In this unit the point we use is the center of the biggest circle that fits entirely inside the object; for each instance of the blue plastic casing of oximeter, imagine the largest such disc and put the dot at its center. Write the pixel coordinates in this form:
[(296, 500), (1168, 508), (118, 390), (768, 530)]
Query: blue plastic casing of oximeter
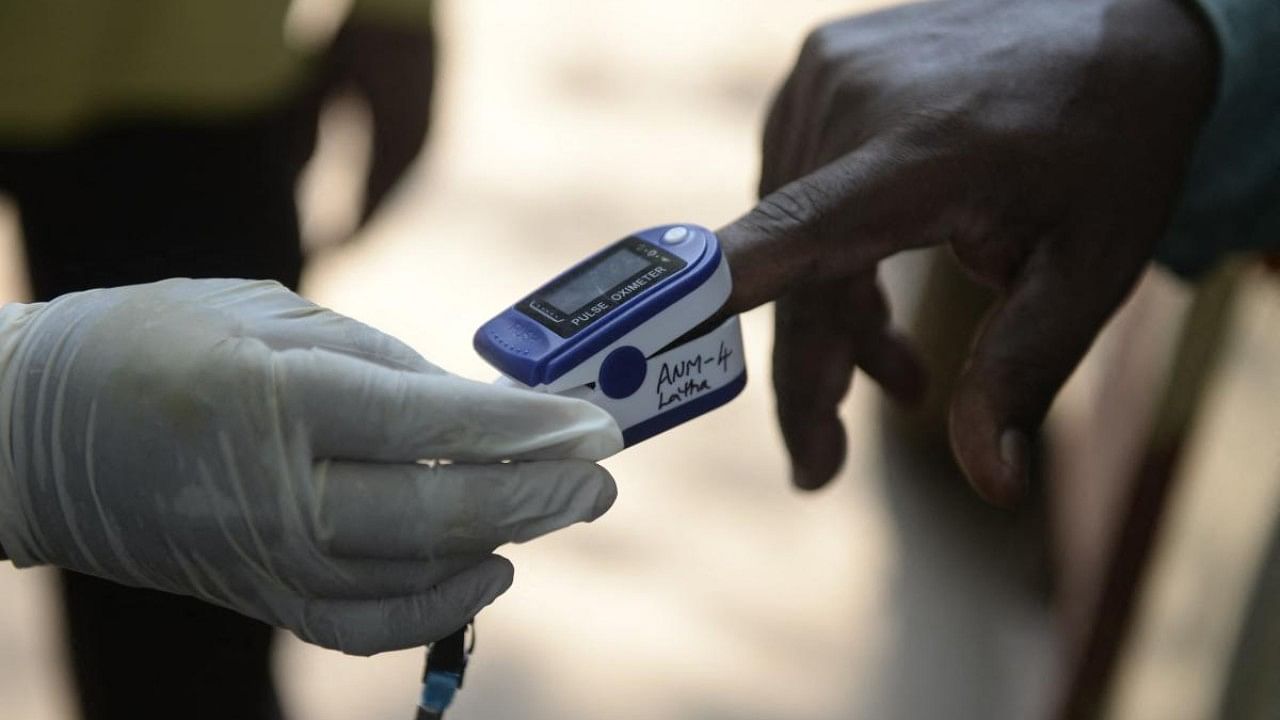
[(536, 342)]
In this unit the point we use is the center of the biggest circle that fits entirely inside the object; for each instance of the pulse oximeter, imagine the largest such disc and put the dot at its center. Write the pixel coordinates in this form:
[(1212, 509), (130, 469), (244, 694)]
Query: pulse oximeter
[(617, 330)]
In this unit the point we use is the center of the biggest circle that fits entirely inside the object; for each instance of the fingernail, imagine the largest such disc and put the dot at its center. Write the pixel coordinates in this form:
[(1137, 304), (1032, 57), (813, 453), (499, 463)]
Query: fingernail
[(1014, 453)]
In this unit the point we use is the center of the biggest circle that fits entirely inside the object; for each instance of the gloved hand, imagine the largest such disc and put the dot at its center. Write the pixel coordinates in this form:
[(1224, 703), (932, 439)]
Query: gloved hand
[(1044, 142), (229, 440)]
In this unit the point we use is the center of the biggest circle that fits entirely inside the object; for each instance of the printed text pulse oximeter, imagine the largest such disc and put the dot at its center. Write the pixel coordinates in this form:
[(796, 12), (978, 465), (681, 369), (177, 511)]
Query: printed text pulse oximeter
[(615, 330)]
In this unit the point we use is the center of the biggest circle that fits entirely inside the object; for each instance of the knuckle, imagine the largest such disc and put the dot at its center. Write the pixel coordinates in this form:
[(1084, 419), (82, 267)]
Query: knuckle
[(931, 125), (793, 207), (817, 46)]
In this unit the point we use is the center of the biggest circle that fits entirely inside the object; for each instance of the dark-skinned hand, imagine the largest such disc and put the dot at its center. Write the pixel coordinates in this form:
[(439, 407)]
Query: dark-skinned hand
[(392, 69), (1044, 142)]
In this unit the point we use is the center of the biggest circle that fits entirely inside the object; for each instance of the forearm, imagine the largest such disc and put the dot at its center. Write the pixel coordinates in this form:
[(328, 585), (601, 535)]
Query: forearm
[(1231, 200)]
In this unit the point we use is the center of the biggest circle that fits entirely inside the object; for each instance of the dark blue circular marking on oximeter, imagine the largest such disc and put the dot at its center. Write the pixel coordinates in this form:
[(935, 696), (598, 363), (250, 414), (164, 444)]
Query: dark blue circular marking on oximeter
[(622, 372)]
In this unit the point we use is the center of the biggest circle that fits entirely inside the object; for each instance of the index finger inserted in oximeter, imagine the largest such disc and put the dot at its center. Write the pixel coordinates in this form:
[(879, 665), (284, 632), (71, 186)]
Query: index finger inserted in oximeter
[(604, 331)]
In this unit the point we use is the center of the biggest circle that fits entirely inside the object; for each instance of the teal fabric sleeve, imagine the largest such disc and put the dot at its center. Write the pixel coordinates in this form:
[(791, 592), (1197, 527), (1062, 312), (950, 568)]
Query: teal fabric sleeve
[(1231, 201)]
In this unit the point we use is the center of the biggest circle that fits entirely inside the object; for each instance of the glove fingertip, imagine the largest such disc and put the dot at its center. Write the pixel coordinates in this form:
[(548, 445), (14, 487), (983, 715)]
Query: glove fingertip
[(606, 494), (498, 576)]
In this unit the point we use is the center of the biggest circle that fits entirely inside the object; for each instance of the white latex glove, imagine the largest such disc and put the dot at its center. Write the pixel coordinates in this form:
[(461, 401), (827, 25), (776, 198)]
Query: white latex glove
[(229, 440)]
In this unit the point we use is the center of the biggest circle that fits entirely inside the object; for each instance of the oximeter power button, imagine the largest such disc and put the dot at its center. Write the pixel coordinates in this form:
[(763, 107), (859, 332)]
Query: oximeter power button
[(675, 235), (622, 372)]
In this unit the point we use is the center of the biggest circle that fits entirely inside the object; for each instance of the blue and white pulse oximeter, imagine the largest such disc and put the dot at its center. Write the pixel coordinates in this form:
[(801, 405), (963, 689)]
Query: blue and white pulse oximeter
[(615, 330)]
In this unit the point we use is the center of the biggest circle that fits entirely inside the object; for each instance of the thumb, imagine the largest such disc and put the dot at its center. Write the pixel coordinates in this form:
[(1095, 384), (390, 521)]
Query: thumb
[(1028, 347)]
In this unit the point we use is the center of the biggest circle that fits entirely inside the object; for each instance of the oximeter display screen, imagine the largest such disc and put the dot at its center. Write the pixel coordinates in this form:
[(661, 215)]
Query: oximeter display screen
[(579, 298), (591, 284)]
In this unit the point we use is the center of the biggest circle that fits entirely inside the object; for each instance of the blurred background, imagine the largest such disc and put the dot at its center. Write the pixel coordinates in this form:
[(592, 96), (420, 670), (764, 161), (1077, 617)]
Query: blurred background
[(713, 590)]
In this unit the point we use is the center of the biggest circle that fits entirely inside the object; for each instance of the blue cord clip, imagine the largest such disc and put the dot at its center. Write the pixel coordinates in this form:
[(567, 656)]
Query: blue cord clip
[(446, 664), (438, 691)]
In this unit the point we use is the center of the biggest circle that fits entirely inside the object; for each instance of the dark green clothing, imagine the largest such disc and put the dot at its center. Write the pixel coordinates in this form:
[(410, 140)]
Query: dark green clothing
[(1231, 201), (69, 65)]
